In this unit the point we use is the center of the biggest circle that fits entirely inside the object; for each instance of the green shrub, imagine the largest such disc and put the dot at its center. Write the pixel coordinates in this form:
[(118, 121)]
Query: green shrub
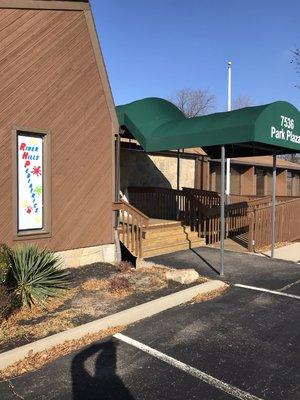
[(6, 302), (3, 263), (34, 275)]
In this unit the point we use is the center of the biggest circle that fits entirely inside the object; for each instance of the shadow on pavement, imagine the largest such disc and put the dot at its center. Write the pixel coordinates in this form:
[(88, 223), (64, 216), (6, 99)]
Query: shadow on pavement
[(206, 262), (104, 384)]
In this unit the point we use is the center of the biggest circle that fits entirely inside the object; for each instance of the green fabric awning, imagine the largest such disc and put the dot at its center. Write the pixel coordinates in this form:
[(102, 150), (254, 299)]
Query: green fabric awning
[(159, 125)]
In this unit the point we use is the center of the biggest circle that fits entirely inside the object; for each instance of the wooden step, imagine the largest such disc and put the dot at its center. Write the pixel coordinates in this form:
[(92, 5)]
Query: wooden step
[(163, 237), (166, 243), (171, 249), (170, 239), (163, 231)]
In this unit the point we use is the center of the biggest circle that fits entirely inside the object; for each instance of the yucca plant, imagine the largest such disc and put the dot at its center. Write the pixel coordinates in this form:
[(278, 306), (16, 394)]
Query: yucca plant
[(34, 275)]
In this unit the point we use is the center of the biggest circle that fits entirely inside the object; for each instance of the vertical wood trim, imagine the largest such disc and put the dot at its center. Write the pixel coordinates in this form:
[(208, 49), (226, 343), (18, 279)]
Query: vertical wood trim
[(108, 95), (102, 69)]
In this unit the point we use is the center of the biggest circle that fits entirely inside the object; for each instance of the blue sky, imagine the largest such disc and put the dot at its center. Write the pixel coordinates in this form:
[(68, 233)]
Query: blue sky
[(157, 47)]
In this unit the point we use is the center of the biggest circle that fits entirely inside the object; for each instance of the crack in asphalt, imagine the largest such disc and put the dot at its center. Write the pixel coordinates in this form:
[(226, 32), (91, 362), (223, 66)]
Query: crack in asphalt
[(11, 386)]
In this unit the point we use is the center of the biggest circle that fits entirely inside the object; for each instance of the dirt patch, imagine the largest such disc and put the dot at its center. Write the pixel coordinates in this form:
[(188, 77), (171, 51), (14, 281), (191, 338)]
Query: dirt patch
[(35, 361), (95, 291), (148, 279), (94, 284)]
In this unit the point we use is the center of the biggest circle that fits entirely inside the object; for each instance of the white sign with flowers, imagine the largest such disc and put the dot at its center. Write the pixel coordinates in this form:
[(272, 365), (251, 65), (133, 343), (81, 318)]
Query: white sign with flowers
[(30, 181)]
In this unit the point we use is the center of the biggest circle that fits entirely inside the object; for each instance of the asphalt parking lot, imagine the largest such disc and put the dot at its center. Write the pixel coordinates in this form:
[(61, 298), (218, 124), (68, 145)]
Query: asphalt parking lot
[(243, 344), (239, 268)]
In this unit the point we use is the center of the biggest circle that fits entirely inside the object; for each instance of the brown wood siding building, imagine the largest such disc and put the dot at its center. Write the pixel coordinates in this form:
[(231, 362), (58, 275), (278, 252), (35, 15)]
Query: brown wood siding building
[(52, 79), (256, 179)]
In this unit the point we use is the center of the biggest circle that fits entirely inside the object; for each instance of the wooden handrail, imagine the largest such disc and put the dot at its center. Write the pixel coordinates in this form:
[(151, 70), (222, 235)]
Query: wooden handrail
[(132, 224), (282, 203), (287, 226), (123, 205), (200, 209)]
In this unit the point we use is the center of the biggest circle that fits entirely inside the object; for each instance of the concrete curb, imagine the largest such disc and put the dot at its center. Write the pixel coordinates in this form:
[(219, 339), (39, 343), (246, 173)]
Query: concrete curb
[(124, 317)]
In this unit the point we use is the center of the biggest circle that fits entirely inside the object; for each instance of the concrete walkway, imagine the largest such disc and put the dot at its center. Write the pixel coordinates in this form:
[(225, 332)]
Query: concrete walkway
[(290, 252)]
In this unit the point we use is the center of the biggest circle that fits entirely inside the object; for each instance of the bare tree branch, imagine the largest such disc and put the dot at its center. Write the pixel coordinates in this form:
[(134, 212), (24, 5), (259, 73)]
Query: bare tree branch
[(291, 157), (241, 101), (296, 61), (194, 102)]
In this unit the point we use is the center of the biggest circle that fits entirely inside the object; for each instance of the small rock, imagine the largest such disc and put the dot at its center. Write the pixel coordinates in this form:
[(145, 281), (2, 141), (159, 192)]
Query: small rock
[(184, 276)]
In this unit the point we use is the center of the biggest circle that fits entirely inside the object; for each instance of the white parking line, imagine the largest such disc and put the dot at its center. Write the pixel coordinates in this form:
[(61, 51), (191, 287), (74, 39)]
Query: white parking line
[(225, 387), (258, 289), (289, 286)]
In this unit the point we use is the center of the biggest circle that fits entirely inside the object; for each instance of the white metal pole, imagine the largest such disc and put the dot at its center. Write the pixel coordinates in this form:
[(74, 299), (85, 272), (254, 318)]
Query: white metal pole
[(222, 211), (227, 178), (229, 87), (178, 184), (273, 238), (228, 109)]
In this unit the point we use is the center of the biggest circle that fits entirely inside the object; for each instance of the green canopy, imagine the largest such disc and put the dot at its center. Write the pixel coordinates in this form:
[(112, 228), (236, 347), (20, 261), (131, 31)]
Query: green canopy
[(159, 125)]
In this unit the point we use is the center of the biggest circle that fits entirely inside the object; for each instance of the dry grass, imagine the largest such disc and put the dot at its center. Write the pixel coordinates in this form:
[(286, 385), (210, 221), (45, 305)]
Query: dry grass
[(14, 329), (147, 265), (28, 314), (201, 279), (146, 280), (37, 360), (93, 285), (209, 296), (119, 286), (57, 322), (89, 299), (125, 266)]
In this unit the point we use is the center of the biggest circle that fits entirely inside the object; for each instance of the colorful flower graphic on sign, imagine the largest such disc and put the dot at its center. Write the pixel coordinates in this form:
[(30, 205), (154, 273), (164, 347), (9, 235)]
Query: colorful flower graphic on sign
[(38, 190), (37, 171)]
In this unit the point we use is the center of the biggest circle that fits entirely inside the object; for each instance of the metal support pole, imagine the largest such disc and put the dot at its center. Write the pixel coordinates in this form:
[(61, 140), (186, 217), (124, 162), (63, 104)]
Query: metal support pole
[(117, 166), (178, 184), (227, 180), (117, 174), (228, 109), (178, 169), (229, 87), (273, 233), (222, 211)]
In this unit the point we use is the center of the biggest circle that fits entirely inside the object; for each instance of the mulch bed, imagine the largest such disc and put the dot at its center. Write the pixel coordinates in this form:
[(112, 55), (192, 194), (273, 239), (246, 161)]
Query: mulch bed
[(96, 290)]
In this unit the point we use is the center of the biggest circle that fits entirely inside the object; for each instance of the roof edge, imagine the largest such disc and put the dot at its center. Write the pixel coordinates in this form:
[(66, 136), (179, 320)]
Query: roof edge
[(70, 5), (102, 69)]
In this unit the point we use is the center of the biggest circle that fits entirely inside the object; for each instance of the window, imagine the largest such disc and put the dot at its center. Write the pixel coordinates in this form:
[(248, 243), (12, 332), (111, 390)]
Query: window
[(31, 183), (260, 182), (235, 179)]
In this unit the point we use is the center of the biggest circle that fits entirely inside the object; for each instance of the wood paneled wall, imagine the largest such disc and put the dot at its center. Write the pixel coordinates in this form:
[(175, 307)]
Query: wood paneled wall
[(49, 80)]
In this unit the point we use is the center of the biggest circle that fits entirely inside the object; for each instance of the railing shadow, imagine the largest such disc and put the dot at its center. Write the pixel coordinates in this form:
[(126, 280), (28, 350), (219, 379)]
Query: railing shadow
[(104, 384), (206, 262)]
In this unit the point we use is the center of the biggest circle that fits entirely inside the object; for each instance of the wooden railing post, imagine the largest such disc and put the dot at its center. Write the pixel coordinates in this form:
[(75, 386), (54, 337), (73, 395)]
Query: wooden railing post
[(132, 224), (251, 242)]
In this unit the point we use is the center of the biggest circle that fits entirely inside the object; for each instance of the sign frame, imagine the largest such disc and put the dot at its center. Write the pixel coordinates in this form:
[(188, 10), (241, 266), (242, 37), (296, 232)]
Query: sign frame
[(45, 231)]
